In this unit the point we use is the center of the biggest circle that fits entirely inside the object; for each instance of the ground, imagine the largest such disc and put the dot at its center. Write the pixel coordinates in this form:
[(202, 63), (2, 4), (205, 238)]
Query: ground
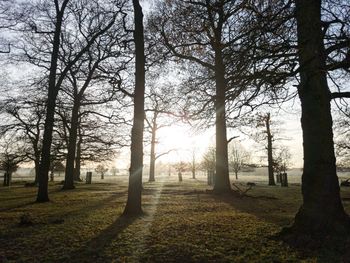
[(183, 222)]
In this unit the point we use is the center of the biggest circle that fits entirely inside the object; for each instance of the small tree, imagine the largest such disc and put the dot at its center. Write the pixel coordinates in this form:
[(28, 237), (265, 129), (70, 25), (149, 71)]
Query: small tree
[(208, 162), (57, 166), (10, 158), (238, 157), (101, 169), (114, 171), (180, 167), (282, 160), (9, 164)]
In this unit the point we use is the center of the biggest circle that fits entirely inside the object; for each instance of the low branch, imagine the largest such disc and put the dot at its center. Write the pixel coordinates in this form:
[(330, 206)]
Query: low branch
[(164, 154), (336, 95), (232, 138)]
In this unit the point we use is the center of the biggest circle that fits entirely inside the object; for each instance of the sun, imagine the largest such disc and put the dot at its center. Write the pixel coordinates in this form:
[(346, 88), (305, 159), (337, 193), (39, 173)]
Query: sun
[(181, 141)]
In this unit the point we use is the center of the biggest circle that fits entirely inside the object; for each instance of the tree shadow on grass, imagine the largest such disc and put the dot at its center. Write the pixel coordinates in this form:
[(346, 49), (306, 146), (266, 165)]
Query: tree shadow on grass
[(17, 206), (274, 210), (94, 249)]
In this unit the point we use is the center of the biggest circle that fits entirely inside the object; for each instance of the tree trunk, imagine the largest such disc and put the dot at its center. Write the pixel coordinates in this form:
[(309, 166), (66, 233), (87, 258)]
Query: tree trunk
[(153, 155), (222, 179), (72, 144), (44, 168), (236, 174), (36, 168), (193, 165), (322, 209), (269, 150), (78, 161), (133, 205), (6, 179)]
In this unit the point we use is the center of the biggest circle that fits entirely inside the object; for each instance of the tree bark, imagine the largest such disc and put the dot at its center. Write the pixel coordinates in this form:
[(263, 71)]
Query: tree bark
[(133, 205), (322, 209), (221, 180), (6, 179), (269, 150), (36, 168), (77, 170), (72, 144), (44, 169), (153, 154)]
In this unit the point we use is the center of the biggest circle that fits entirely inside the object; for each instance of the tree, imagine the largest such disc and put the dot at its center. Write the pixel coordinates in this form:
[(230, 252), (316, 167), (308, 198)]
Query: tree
[(282, 160), (317, 39), (322, 210), (10, 158), (212, 40), (57, 166), (193, 164), (263, 130), (133, 205), (238, 157), (114, 171), (92, 69), (208, 162), (192, 41), (342, 140), (101, 169), (180, 167), (265, 121), (24, 119), (158, 110), (43, 49)]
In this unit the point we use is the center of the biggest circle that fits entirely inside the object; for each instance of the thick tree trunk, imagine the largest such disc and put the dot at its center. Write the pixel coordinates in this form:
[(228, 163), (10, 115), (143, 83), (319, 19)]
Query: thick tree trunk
[(72, 144), (222, 179), (153, 155), (322, 209), (269, 150), (133, 205), (44, 169)]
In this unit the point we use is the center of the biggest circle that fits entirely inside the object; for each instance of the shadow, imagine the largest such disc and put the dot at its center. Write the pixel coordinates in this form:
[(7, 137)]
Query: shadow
[(90, 208), (325, 247), (93, 249), (17, 206), (281, 213)]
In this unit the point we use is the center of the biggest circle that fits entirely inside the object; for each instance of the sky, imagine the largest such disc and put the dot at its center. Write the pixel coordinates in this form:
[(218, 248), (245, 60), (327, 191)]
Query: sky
[(182, 140)]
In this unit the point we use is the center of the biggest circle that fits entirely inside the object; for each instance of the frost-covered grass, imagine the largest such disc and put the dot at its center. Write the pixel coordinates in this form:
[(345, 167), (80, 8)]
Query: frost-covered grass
[(183, 222)]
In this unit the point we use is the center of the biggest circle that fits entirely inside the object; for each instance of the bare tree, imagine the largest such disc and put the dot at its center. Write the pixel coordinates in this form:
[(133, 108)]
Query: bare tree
[(238, 157), (133, 205), (101, 169), (25, 119), (322, 209), (10, 157), (282, 160), (208, 159), (213, 49), (317, 41), (159, 109)]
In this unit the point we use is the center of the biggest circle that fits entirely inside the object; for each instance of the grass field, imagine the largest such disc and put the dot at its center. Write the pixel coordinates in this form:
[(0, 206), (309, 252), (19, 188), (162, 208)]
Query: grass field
[(183, 222)]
